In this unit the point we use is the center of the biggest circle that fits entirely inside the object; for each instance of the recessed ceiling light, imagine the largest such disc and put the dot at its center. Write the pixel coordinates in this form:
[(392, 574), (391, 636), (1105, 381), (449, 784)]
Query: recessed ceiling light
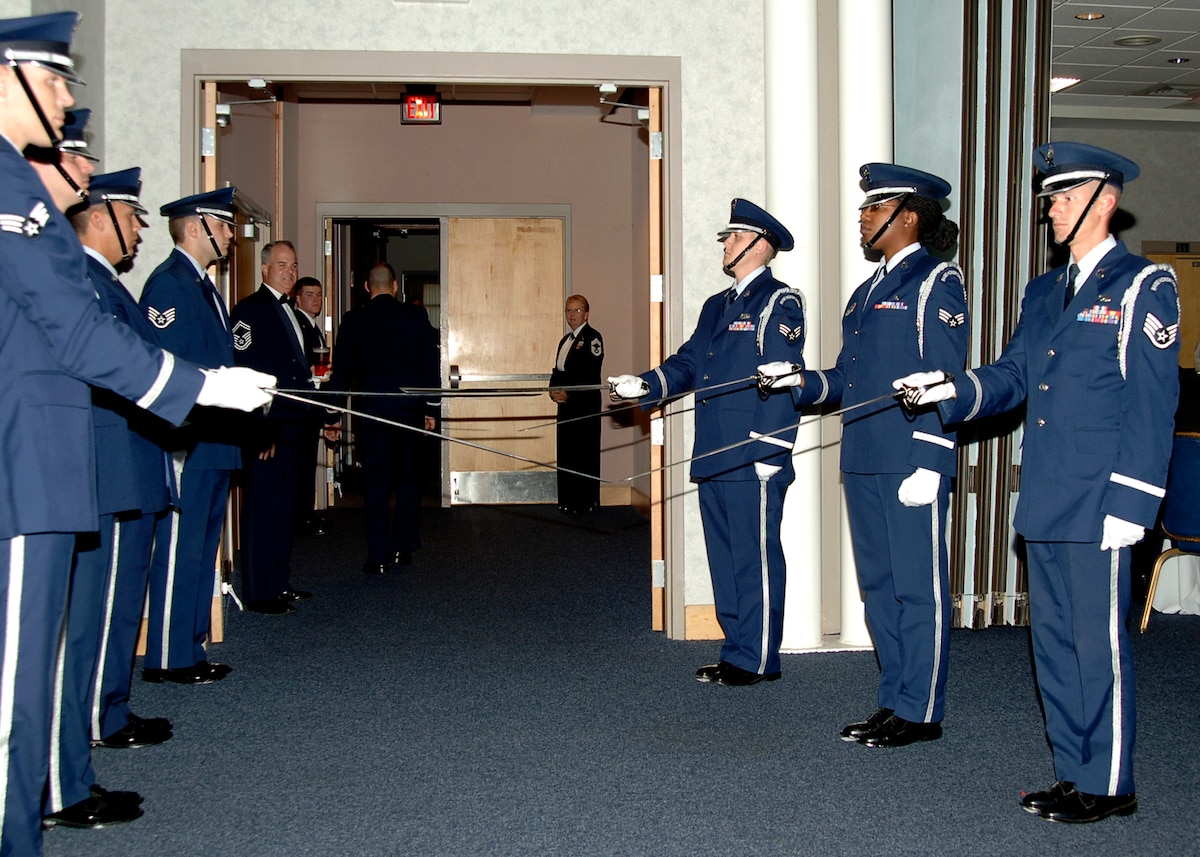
[(1058, 84), (1136, 41), (1090, 16), (1179, 60)]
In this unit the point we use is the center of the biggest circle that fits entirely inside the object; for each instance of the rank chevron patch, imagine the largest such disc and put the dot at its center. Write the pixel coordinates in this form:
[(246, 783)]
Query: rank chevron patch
[(1161, 335), (241, 336), (956, 320), (30, 226), (162, 320)]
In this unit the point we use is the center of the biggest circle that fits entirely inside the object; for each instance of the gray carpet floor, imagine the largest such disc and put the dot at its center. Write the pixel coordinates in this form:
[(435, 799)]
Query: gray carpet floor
[(505, 696)]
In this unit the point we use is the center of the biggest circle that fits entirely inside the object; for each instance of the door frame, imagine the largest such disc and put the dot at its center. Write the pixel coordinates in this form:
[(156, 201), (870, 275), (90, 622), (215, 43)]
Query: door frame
[(662, 72)]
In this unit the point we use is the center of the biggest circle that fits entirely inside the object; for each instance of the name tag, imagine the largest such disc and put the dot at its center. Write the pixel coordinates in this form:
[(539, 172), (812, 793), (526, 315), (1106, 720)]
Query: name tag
[(742, 325)]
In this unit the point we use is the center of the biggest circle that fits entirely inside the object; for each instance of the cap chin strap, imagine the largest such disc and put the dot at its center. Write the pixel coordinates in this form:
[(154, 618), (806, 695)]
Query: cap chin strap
[(211, 239), (112, 215), (54, 136), (728, 269), (882, 229), (1095, 195)]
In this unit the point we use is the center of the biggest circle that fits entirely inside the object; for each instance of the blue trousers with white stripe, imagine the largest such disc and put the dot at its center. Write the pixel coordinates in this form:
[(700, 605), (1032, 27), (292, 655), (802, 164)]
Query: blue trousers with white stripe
[(1078, 602), (903, 570), (121, 619), (742, 521), (34, 575), (182, 571)]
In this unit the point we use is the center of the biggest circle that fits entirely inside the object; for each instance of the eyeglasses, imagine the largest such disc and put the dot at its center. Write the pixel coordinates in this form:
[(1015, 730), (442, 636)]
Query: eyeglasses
[(568, 312)]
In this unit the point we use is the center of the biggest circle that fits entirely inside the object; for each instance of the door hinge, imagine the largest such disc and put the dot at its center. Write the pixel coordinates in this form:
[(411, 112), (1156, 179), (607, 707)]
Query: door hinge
[(208, 142), (656, 146), (328, 248)]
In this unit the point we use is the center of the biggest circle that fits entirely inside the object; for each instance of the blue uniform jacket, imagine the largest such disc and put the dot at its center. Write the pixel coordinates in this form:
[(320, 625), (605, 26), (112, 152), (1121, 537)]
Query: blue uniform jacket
[(55, 340), (180, 306), (765, 323), (1100, 382), (382, 347), (131, 469), (916, 320), (263, 339)]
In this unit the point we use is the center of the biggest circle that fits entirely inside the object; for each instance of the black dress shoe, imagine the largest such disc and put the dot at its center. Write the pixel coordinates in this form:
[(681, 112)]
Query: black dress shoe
[(375, 568), (733, 676), (1035, 802), (270, 607), (402, 558), (201, 672), (296, 595), (898, 732), (95, 812), (708, 672), (1081, 808), (138, 733), (856, 730)]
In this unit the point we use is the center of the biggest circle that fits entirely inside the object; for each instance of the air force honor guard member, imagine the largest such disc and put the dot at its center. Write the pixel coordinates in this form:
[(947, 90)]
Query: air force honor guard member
[(741, 490), (108, 582), (54, 340), (896, 465), (188, 314), (1095, 360)]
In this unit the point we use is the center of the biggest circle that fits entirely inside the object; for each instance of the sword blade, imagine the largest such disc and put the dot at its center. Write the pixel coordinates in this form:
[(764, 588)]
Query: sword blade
[(897, 396), (392, 423), (641, 404)]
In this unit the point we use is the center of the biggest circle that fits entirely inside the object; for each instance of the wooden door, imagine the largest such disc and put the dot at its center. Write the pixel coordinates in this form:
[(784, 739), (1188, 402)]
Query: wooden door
[(503, 315)]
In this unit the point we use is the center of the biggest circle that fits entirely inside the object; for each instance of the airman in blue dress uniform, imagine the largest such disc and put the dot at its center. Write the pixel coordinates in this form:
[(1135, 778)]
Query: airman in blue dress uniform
[(55, 339), (741, 489), (1095, 360), (897, 465), (108, 580), (187, 313)]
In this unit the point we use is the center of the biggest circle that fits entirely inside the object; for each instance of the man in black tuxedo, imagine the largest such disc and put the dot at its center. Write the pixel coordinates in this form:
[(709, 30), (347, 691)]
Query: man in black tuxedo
[(308, 300), (380, 348), (580, 354), (266, 333)]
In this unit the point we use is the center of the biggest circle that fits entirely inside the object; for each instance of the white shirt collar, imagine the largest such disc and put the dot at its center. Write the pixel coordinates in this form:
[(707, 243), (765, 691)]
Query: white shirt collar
[(199, 268), (900, 255), (100, 259), (1089, 262), (740, 286)]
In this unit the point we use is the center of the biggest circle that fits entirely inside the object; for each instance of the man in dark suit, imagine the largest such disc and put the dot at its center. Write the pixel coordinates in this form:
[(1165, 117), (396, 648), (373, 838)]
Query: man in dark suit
[(56, 340), (266, 334), (188, 314), (308, 301), (580, 354), (741, 489), (380, 348), (1095, 361)]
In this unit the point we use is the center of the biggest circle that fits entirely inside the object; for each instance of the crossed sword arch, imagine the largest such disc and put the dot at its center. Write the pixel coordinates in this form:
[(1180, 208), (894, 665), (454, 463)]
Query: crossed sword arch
[(907, 396)]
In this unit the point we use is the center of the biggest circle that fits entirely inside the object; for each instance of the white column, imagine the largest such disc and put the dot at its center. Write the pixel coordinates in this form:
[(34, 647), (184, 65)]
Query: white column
[(791, 173), (865, 135)]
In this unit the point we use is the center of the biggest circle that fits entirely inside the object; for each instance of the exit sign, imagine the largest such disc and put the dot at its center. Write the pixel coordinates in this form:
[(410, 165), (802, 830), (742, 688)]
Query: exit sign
[(422, 110)]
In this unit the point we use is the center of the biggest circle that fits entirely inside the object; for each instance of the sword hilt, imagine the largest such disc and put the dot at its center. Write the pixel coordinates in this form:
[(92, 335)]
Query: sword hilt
[(910, 395), (765, 381)]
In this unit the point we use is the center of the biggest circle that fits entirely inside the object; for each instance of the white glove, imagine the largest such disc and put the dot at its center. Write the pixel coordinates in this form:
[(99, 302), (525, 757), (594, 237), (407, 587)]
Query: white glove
[(778, 374), (920, 488), (236, 387), (925, 388), (1120, 534), (627, 386), (765, 471)]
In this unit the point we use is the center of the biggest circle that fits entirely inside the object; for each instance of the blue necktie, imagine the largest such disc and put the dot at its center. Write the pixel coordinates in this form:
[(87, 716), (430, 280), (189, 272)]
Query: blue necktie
[(1072, 273)]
